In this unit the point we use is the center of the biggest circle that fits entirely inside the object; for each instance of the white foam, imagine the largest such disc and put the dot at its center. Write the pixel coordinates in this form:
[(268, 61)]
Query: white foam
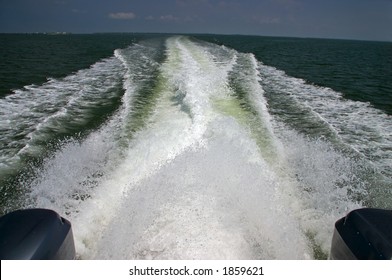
[(326, 180), (214, 202)]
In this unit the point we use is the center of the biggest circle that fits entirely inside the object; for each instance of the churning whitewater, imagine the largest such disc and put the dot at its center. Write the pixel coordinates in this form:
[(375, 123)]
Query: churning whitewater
[(192, 165)]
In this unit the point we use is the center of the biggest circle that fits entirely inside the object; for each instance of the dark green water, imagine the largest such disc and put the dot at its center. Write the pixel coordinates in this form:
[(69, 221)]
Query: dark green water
[(360, 70), (32, 58)]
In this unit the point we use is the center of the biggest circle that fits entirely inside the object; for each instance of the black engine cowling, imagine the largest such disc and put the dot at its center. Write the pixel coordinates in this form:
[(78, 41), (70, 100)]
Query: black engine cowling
[(36, 234), (364, 234)]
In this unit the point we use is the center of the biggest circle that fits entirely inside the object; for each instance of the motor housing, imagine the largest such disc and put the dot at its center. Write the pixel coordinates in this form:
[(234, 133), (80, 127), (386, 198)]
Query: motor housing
[(364, 234), (35, 234)]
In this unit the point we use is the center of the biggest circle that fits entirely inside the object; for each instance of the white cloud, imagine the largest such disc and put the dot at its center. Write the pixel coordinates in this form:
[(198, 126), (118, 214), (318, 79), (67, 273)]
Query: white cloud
[(122, 15), (168, 18)]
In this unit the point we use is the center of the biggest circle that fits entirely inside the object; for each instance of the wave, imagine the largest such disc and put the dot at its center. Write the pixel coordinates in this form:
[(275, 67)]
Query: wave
[(357, 124), (38, 113)]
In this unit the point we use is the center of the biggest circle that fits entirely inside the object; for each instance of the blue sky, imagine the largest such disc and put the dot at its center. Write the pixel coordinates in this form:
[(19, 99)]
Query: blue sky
[(350, 19)]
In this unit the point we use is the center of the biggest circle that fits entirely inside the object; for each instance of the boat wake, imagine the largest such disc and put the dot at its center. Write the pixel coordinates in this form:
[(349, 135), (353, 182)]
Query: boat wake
[(193, 165)]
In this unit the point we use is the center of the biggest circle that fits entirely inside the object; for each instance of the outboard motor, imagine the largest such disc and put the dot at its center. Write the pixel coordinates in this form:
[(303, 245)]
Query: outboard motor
[(364, 234), (35, 234)]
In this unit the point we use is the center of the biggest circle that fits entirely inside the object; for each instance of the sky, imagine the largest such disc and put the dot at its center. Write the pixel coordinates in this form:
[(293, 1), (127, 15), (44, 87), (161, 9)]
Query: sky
[(343, 19)]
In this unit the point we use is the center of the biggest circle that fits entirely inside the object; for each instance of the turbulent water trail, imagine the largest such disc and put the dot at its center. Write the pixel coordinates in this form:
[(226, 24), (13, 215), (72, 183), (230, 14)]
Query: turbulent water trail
[(199, 171), (192, 165)]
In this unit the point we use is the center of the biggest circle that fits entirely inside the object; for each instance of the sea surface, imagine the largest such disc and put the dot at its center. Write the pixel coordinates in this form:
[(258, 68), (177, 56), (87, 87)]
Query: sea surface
[(195, 146)]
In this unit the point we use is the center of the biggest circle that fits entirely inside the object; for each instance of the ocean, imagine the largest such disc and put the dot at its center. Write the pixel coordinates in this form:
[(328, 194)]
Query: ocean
[(160, 146)]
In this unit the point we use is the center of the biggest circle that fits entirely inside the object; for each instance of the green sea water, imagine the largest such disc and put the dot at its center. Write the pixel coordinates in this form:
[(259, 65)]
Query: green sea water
[(224, 140)]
